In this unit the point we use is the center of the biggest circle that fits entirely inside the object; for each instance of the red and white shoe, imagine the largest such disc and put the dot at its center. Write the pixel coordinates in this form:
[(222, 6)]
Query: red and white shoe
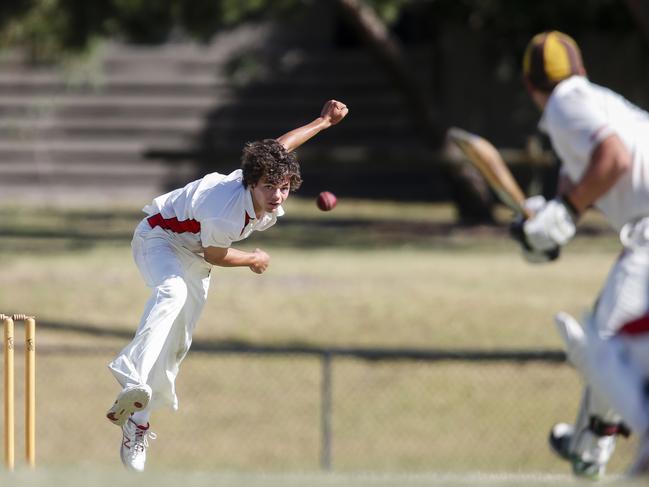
[(135, 441), (131, 400)]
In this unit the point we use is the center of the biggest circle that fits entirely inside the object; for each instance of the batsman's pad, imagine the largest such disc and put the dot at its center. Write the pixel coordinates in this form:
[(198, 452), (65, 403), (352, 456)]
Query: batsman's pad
[(574, 340), (585, 443)]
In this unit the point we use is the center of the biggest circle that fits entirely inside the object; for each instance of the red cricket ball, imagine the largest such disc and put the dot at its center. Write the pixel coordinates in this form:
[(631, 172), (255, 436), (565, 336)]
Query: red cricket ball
[(326, 201)]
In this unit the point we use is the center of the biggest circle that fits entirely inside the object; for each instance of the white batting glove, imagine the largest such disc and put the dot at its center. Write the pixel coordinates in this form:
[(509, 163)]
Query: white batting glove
[(535, 203), (551, 226), (531, 255)]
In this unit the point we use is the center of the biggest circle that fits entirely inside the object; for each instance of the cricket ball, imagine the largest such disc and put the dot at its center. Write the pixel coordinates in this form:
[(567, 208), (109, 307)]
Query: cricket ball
[(326, 201)]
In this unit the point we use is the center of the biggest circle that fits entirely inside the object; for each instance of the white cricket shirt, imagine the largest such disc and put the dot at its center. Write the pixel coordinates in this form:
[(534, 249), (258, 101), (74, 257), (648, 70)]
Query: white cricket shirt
[(579, 115), (214, 211)]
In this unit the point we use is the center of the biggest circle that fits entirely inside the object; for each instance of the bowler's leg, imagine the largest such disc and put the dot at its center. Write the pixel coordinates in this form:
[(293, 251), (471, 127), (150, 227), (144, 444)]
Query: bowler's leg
[(163, 270)]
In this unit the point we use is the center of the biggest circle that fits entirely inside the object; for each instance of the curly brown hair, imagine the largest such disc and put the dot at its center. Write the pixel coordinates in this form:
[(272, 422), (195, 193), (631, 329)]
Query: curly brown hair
[(269, 158)]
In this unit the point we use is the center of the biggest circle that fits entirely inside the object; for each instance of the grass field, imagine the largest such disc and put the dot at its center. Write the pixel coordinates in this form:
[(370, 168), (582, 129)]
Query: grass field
[(364, 275), (201, 479)]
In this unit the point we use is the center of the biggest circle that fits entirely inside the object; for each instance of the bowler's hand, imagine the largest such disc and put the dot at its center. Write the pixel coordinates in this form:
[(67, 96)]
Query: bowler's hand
[(262, 261), (334, 111)]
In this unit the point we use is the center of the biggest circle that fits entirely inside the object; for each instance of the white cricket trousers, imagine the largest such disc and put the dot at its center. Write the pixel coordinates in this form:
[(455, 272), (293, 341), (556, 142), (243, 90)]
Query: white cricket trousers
[(615, 380), (618, 365), (179, 280)]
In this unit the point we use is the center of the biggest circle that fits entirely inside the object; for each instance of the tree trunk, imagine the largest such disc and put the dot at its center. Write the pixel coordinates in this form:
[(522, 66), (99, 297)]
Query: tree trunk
[(470, 192)]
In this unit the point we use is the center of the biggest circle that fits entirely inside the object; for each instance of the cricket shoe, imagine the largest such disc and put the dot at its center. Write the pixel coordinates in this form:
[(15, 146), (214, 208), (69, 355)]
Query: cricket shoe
[(135, 441), (560, 439), (560, 436), (131, 400)]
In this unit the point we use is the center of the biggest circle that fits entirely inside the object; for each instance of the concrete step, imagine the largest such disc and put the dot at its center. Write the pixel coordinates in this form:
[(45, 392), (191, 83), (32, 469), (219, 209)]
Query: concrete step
[(74, 104), (16, 97), (46, 168), (51, 83), (58, 151), (96, 174), (187, 129), (18, 78), (89, 194), (69, 105), (192, 62)]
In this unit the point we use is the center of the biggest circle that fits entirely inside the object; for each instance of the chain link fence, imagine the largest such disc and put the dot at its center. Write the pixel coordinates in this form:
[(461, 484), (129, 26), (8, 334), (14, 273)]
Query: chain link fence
[(303, 409)]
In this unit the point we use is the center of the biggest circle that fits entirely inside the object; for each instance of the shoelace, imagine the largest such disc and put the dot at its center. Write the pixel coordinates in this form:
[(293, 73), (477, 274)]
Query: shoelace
[(142, 439)]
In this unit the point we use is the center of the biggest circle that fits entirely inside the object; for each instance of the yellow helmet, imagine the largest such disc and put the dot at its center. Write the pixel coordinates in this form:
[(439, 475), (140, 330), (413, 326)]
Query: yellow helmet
[(551, 57)]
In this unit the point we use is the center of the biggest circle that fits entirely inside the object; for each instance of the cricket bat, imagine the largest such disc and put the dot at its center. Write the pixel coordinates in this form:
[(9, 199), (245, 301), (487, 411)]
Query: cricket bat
[(486, 158)]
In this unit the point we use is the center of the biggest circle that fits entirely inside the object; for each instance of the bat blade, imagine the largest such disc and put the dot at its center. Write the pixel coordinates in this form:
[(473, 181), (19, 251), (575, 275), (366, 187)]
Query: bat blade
[(486, 159)]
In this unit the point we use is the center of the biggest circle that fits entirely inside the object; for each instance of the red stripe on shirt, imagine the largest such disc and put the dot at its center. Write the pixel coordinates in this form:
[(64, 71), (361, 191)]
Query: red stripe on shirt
[(635, 327), (191, 226), (245, 223)]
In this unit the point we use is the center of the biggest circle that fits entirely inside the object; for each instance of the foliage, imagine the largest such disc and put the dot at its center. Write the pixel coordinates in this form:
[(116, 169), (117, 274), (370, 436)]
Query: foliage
[(50, 27)]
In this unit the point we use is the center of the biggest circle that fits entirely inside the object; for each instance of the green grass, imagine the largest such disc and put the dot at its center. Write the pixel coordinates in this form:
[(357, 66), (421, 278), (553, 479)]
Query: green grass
[(333, 281), (243, 413), (386, 274)]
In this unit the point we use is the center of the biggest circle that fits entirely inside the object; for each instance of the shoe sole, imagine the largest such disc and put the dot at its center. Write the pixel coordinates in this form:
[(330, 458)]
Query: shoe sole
[(128, 402)]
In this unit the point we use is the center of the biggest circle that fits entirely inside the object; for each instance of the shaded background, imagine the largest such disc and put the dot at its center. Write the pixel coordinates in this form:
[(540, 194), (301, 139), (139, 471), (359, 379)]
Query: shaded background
[(139, 96)]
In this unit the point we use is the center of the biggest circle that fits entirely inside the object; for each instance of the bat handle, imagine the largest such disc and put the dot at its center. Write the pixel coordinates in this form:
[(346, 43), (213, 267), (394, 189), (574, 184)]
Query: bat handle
[(526, 212)]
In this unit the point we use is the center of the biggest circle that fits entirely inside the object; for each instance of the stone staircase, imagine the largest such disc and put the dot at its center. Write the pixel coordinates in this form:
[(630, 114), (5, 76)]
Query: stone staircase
[(142, 120)]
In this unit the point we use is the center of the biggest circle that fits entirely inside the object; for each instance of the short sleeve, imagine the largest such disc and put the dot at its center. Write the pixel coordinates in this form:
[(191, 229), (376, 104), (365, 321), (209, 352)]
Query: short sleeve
[(217, 232), (580, 125)]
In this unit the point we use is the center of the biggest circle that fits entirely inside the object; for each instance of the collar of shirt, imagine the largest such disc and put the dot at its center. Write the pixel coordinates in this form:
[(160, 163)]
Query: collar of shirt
[(250, 209)]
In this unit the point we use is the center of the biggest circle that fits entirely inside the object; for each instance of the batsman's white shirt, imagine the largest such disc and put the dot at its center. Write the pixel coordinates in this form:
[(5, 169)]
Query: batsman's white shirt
[(213, 211), (579, 115)]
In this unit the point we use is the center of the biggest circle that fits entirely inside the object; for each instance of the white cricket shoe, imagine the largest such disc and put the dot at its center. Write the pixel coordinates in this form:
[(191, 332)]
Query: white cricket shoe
[(560, 436), (135, 441), (560, 440), (129, 401)]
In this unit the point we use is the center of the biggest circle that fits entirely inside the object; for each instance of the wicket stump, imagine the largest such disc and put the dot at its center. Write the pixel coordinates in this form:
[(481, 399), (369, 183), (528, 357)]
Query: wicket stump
[(30, 389)]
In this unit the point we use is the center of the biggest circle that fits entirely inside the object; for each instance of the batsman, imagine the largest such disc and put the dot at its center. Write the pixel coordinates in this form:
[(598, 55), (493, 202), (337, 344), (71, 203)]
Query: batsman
[(185, 234), (602, 141)]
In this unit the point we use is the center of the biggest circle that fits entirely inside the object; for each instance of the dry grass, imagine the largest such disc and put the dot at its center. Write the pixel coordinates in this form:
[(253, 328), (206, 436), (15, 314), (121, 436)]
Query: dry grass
[(362, 275)]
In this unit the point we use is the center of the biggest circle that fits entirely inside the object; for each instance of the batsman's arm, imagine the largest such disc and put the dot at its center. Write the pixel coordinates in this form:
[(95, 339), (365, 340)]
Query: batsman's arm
[(608, 163), (555, 223), (332, 113), (564, 184), (257, 261)]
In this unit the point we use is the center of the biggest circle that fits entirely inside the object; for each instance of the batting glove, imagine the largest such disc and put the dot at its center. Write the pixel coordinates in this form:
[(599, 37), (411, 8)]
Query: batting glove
[(551, 226), (533, 256)]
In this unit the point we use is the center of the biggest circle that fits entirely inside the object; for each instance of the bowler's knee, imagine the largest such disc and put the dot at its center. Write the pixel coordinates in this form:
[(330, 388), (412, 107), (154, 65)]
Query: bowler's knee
[(174, 289)]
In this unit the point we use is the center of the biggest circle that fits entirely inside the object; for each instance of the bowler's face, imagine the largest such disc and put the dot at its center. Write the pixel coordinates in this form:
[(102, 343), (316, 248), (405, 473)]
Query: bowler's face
[(268, 197)]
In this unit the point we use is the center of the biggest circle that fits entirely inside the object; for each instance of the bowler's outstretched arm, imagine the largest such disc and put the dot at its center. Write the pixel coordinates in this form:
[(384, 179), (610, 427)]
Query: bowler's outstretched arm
[(332, 113)]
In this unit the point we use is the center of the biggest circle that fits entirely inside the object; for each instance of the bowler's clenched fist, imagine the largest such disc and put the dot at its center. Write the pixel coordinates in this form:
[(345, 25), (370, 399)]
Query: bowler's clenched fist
[(334, 111), (262, 260)]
